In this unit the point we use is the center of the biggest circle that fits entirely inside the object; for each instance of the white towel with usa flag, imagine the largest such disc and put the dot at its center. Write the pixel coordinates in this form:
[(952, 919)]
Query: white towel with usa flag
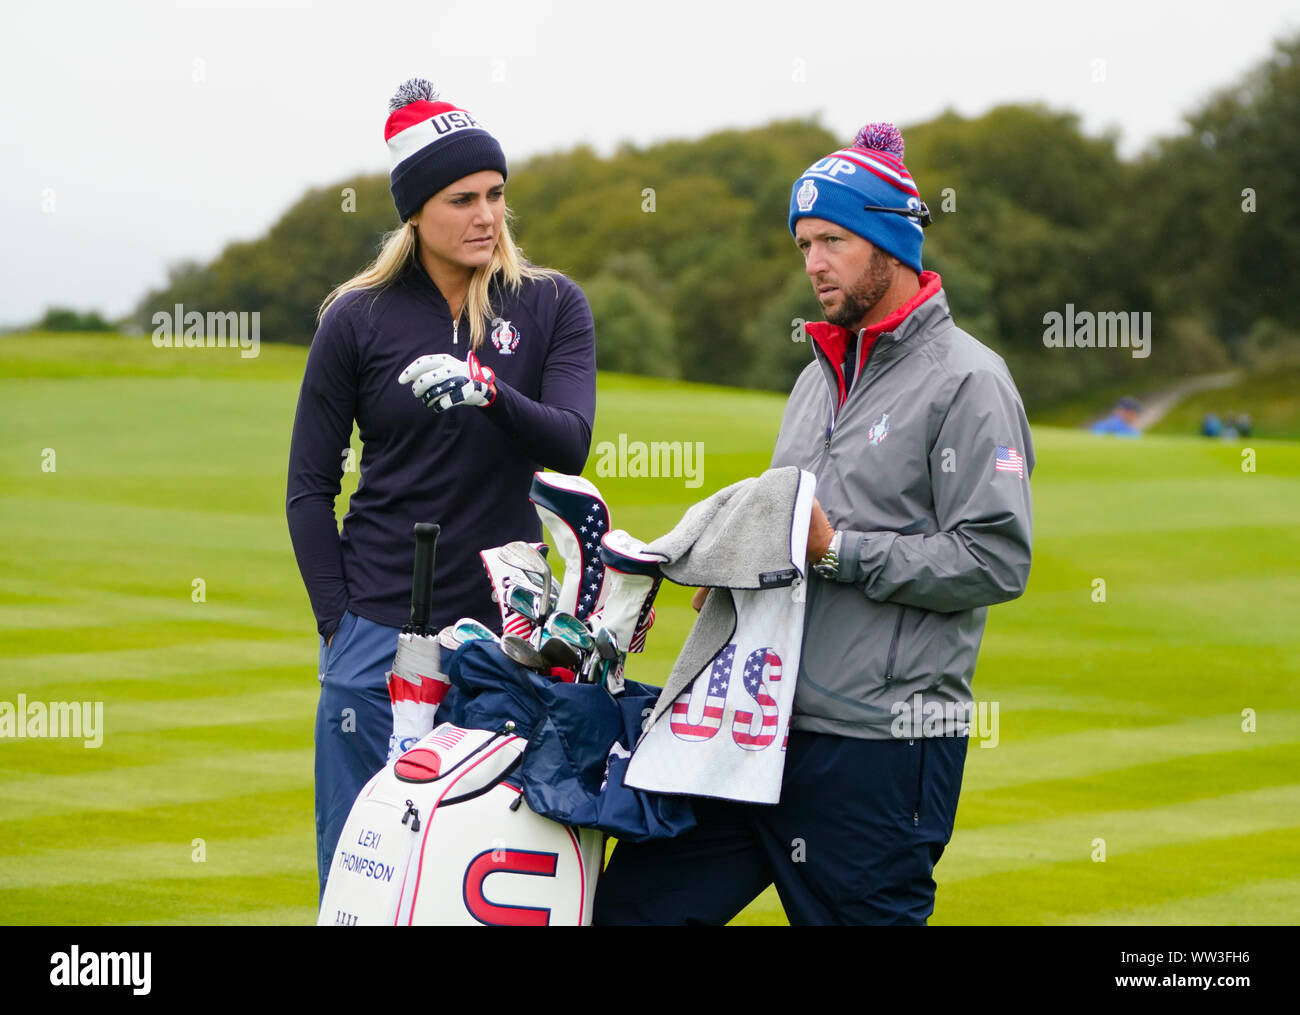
[(725, 735)]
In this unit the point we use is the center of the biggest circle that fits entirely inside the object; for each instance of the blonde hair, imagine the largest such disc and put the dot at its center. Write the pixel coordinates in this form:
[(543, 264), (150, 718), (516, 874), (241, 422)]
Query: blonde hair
[(400, 249)]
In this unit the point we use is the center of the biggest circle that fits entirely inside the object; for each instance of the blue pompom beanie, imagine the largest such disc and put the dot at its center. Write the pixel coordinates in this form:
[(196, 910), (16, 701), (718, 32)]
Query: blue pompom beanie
[(869, 173)]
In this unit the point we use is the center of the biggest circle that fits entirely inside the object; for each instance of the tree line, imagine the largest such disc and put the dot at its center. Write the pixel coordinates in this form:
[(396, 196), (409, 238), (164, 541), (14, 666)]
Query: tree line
[(683, 250)]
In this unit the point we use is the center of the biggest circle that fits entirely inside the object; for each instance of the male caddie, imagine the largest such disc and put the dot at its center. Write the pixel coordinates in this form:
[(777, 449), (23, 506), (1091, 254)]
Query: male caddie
[(922, 453)]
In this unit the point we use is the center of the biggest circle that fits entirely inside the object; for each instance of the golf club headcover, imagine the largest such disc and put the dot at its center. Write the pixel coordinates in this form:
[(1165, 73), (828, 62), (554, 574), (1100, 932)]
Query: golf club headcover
[(632, 578), (597, 620), (638, 638), (577, 517), (416, 686), (503, 577)]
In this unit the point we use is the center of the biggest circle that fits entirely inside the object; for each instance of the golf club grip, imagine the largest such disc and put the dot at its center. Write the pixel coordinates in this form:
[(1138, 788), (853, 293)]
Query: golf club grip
[(426, 545)]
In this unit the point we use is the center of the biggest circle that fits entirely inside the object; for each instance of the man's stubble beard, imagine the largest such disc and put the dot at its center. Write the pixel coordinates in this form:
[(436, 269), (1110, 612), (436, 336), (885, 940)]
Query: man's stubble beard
[(865, 292)]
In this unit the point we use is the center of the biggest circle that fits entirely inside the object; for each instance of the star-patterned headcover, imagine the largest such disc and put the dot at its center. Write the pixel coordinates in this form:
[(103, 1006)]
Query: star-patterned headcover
[(577, 517), (632, 578)]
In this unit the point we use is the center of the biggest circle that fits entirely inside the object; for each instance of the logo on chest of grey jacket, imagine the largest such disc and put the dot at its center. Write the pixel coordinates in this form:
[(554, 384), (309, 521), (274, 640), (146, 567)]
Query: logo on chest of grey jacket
[(504, 337), (879, 430)]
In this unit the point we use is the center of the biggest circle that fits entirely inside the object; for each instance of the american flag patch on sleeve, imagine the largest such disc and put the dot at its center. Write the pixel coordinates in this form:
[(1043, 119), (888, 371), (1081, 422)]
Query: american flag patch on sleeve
[(1009, 460)]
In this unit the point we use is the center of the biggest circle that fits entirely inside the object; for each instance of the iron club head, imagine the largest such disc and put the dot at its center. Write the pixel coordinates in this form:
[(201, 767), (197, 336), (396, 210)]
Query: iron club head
[(469, 629), (558, 652), (523, 653)]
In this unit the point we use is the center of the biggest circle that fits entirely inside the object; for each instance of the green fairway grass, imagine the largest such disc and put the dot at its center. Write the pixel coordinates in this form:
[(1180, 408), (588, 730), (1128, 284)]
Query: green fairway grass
[(1120, 722)]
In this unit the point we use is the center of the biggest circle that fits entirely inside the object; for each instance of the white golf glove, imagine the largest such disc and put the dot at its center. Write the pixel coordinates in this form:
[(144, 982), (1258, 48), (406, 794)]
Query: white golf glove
[(443, 381)]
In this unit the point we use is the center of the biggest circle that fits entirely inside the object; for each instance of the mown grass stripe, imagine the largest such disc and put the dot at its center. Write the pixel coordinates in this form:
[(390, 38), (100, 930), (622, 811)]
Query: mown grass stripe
[(222, 857), (187, 900), (1173, 780), (123, 788), (236, 815), (1174, 876), (200, 659), (1267, 902), (1067, 838), (1080, 754)]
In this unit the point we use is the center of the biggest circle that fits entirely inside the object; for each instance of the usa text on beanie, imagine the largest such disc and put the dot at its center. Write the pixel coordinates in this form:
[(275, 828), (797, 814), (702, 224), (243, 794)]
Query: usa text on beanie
[(433, 144)]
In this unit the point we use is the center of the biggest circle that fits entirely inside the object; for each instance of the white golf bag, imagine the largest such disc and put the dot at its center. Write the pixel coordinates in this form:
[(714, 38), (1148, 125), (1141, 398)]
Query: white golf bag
[(438, 836)]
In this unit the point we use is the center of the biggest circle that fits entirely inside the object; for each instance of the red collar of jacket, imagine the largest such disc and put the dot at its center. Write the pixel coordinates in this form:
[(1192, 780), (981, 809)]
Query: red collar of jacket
[(834, 340)]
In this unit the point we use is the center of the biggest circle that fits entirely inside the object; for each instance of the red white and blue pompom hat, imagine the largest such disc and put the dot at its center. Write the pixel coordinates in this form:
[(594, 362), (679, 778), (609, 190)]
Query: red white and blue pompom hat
[(433, 144), (866, 189)]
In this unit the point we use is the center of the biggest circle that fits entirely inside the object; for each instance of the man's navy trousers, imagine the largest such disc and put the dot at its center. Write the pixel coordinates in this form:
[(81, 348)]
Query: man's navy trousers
[(854, 840)]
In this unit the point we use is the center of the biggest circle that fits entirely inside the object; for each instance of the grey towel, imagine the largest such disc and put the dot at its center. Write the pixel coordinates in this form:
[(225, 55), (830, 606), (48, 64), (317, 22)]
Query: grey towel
[(739, 538)]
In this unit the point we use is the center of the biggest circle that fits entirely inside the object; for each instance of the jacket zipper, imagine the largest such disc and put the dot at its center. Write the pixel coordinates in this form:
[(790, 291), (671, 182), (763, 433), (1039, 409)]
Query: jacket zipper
[(893, 645), (455, 331), (830, 429)]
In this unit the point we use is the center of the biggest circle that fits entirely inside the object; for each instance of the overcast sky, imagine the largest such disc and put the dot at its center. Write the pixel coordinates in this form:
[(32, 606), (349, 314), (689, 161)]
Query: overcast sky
[(135, 134)]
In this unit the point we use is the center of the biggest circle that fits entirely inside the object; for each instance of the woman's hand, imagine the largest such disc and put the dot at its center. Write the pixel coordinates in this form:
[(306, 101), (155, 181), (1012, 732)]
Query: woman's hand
[(697, 600), (442, 381)]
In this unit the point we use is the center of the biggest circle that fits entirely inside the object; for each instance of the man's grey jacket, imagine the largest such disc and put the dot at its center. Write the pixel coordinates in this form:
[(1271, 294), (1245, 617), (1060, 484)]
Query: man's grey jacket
[(918, 468)]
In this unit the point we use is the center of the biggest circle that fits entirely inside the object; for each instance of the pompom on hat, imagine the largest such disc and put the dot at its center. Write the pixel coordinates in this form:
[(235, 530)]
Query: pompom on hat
[(866, 189), (433, 144)]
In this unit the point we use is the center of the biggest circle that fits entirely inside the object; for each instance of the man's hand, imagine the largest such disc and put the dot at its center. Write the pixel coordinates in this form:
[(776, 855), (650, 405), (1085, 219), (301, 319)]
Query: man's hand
[(820, 532), (443, 381)]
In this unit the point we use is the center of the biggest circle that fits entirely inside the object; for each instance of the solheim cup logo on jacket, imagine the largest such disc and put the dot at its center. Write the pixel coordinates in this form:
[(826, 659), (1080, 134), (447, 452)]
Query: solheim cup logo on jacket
[(504, 337), (879, 430)]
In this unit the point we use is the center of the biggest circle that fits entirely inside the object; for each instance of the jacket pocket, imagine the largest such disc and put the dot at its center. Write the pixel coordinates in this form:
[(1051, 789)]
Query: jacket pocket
[(844, 655)]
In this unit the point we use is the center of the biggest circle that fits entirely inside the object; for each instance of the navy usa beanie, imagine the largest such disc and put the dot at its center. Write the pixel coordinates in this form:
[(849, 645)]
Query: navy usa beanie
[(433, 144), (847, 185)]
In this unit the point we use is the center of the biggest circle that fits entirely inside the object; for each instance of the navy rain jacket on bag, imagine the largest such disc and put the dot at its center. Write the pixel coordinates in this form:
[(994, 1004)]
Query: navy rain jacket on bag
[(571, 730)]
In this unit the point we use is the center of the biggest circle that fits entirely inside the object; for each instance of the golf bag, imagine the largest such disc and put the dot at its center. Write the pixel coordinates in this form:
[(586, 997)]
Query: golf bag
[(442, 835)]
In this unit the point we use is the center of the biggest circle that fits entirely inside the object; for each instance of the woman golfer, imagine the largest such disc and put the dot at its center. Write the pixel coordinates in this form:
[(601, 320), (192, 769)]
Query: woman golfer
[(466, 369)]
